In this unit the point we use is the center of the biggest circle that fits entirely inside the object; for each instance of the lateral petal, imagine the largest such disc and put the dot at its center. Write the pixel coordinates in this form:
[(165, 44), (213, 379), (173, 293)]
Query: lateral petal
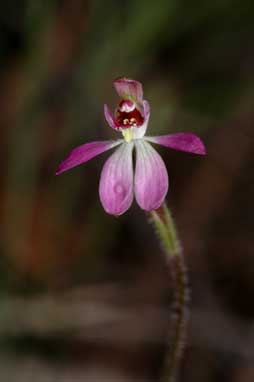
[(151, 177), (116, 182), (110, 118), (187, 142), (84, 153)]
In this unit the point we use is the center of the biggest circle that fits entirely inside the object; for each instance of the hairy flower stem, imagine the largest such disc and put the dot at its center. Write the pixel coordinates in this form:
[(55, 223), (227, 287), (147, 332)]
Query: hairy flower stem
[(166, 231)]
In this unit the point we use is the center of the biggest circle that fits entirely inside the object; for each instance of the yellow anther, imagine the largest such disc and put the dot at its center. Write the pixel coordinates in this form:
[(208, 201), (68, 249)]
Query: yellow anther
[(126, 121), (133, 121)]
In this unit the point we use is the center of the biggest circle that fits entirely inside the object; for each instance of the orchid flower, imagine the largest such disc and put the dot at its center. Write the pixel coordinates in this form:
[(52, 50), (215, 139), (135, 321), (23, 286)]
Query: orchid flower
[(119, 182)]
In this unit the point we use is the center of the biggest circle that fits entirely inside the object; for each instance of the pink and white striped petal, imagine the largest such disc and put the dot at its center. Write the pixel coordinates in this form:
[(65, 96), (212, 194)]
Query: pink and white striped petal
[(187, 142), (139, 132), (151, 177), (146, 107), (116, 182), (84, 153), (128, 88)]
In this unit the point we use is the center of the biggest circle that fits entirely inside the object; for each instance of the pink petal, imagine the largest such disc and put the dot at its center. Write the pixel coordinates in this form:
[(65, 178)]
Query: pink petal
[(151, 177), (128, 88), (146, 107), (188, 142), (110, 119), (139, 132), (84, 153), (116, 183)]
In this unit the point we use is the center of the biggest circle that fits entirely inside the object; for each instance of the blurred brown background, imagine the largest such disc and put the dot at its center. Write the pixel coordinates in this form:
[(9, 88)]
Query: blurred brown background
[(86, 296)]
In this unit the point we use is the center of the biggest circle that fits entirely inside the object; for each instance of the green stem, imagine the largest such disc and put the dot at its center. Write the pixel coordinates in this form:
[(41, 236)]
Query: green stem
[(166, 230)]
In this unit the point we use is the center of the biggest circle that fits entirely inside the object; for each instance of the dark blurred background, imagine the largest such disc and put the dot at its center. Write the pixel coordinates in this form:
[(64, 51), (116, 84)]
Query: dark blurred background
[(85, 296)]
